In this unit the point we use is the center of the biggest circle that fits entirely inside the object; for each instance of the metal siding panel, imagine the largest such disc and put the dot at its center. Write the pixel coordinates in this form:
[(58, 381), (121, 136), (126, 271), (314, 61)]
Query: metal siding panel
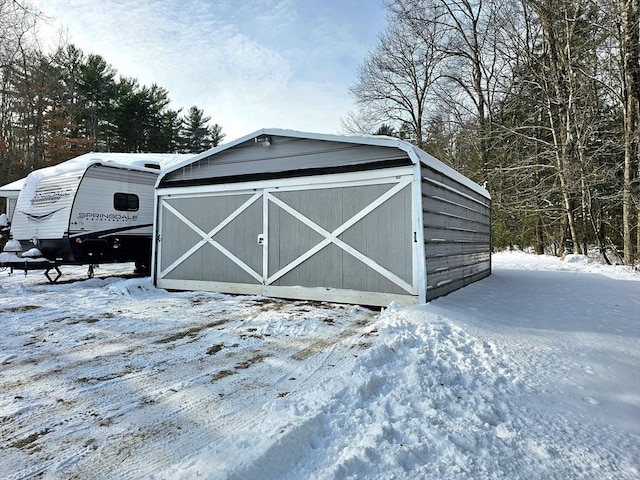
[(444, 219), (208, 264), (384, 235), (457, 233), (453, 235), (434, 176), (95, 195), (334, 268), (324, 269), (239, 237), (438, 203), (323, 206), (441, 199), (456, 275), (288, 239), (355, 199), (435, 250), (208, 211), (441, 264), (284, 154), (190, 268), (358, 276), (460, 282), (192, 208)]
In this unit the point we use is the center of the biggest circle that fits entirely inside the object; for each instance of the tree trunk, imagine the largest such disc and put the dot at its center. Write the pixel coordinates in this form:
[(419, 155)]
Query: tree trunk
[(539, 237), (558, 110), (630, 40)]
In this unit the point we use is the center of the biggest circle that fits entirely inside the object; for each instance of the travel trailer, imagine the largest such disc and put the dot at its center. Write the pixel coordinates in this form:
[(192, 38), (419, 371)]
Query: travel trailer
[(96, 208), (10, 193)]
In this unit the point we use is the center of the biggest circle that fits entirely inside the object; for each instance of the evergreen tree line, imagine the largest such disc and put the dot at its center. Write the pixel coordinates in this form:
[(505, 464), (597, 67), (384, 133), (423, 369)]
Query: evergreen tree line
[(536, 99), (57, 106)]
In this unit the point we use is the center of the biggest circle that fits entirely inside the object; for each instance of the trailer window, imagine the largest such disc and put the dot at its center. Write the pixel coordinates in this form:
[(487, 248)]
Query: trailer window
[(126, 202)]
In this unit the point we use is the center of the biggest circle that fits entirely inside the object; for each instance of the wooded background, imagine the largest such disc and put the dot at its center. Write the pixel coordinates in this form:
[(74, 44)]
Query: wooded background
[(538, 100), (56, 106)]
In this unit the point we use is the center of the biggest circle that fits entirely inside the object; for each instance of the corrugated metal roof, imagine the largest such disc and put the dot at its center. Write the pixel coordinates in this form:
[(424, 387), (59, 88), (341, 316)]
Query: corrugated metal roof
[(415, 154)]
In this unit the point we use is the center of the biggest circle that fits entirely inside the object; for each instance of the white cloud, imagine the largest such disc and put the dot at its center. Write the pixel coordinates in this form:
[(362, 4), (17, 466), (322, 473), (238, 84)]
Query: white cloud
[(248, 64)]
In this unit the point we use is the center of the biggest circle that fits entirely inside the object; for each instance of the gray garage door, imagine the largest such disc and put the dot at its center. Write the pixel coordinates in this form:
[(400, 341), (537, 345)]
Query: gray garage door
[(308, 240)]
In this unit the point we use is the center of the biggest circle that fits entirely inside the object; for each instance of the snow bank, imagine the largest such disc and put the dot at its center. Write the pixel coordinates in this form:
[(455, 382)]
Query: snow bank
[(12, 246), (531, 373), (32, 253), (518, 260), (427, 400), (133, 287), (432, 400)]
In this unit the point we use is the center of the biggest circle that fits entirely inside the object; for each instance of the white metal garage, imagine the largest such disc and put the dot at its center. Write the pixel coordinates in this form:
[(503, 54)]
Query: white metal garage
[(320, 217)]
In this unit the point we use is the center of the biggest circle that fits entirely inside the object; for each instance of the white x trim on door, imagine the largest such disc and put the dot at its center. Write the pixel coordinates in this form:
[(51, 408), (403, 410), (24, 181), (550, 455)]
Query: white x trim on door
[(208, 238), (332, 237), (270, 197)]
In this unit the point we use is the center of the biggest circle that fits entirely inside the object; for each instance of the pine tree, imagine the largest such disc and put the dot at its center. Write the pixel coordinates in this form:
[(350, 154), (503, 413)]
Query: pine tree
[(97, 89), (196, 137)]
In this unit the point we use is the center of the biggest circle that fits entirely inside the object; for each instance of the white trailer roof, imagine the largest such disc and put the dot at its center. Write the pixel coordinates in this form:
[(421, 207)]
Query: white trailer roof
[(415, 154), (12, 190), (127, 160), (132, 161)]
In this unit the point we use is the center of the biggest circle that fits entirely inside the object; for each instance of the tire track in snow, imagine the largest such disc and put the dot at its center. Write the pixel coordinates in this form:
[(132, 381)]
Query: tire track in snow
[(128, 393), (91, 374), (241, 403)]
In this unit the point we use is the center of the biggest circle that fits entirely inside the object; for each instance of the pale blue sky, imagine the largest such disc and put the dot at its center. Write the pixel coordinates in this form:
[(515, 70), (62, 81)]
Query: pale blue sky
[(248, 63)]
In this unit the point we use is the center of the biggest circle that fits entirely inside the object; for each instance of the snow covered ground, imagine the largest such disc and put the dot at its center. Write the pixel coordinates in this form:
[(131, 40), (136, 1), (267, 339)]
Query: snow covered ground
[(531, 373)]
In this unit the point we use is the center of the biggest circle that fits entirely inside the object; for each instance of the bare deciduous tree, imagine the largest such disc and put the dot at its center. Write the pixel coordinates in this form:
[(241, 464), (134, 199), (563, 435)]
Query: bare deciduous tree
[(628, 13), (527, 95), (17, 22), (396, 79)]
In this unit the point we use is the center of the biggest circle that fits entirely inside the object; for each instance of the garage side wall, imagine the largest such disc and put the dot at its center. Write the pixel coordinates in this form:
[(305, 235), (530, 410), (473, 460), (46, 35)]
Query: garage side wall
[(457, 233)]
